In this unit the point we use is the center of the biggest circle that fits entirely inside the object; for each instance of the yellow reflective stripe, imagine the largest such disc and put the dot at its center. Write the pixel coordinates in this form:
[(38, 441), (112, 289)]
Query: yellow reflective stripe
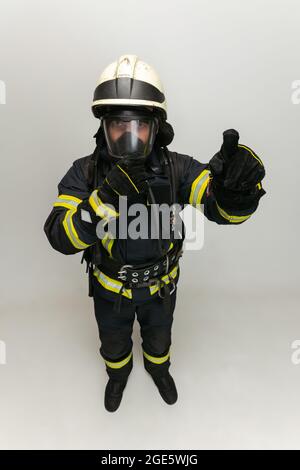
[(252, 153), (198, 187), (165, 278), (71, 232), (111, 187), (67, 205), (232, 218), (108, 242), (93, 200), (259, 185), (172, 273), (100, 208), (111, 284), (105, 211), (171, 246), (71, 198), (156, 360), (69, 202), (118, 365), (115, 286), (128, 178)]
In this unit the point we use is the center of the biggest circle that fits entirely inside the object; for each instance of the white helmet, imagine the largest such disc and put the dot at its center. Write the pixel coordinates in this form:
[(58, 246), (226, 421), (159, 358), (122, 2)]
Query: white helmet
[(129, 82)]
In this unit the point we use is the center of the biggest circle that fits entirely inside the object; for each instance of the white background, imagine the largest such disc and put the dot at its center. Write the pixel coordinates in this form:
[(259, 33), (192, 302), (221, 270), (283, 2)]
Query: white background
[(223, 64)]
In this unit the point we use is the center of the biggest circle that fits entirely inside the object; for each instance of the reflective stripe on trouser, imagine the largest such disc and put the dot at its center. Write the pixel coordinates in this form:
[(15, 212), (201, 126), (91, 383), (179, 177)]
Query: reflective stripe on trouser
[(119, 369), (157, 365), (115, 336), (156, 331), (119, 364), (157, 359)]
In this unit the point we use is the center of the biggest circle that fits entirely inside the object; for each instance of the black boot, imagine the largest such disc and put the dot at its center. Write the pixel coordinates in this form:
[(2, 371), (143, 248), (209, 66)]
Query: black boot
[(113, 394), (166, 387)]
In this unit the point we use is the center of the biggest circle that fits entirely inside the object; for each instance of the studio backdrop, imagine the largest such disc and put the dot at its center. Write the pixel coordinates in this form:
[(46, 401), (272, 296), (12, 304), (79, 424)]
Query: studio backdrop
[(236, 327)]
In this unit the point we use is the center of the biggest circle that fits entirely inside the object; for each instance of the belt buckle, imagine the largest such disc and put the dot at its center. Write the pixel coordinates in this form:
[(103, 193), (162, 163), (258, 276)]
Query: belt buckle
[(122, 273)]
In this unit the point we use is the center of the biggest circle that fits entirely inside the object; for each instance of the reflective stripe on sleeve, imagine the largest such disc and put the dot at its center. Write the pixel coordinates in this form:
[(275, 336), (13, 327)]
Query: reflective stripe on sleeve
[(71, 231), (198, 187), (232, 218), (69, 202), (101, 209)]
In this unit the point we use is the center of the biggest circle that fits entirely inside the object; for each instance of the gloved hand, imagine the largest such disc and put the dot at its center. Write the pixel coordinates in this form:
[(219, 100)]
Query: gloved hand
[(126, 178), (236, 171)]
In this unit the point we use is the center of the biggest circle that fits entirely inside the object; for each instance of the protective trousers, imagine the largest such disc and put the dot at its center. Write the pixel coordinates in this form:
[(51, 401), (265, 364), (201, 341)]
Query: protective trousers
[(115, 331)]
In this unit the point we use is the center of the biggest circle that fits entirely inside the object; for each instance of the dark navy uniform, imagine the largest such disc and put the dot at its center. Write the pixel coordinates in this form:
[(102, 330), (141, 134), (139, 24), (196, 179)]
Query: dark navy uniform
[(69, 231)]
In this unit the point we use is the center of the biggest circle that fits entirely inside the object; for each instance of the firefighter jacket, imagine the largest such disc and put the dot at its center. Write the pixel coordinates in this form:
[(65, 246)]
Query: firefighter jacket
[(69, 231)]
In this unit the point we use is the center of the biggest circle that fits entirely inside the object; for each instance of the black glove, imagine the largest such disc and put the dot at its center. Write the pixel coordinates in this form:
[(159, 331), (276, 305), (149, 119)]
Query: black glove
[(236, 172), (126, 178)]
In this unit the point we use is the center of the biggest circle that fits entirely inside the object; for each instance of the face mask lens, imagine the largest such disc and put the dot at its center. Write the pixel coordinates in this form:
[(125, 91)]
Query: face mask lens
[(129, 137)]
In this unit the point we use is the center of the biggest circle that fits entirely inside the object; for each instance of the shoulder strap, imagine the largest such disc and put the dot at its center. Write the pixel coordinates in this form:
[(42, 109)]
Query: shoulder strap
[(174, 171), (172, 168), (93, 167)]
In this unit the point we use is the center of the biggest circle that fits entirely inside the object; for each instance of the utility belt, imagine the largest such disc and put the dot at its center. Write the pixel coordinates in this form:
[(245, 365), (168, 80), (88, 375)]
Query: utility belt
[(135, 276), (146, 275)]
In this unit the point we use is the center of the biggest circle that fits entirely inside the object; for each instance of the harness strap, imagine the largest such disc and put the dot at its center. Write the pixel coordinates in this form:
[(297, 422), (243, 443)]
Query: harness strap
[(96, 257), (118, 301)]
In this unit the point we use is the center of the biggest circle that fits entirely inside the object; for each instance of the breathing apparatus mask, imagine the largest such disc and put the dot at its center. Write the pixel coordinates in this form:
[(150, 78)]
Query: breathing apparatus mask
[(130, 132)]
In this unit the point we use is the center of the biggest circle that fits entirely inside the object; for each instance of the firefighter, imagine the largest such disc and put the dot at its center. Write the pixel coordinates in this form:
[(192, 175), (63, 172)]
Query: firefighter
[(132, 164)]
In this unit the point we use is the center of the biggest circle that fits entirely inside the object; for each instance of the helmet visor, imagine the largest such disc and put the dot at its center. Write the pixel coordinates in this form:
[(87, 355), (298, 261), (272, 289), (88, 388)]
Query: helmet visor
[(130, 136)]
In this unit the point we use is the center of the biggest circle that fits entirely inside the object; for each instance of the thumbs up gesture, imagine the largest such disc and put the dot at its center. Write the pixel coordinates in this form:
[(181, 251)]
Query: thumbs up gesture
[(237, 172)]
